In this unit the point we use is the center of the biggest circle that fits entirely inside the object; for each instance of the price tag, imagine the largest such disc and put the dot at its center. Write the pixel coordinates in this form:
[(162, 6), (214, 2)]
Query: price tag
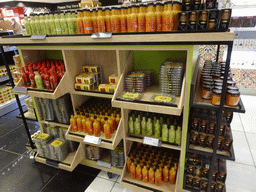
[(104, 164), (38, 37), (151, 141), (207, 166), (23, 90), (90, 139), (101, 35)]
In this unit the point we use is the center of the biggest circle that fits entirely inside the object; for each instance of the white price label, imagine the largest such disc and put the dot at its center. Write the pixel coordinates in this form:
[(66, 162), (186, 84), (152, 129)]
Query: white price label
[(23, 90), (101, 35), (151, 141), (92, 140), (207, 166), (38, 37)]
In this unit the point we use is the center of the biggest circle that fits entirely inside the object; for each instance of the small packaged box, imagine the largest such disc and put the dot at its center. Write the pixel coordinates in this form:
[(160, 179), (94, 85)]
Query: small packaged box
[(113, 78), (112, 88), (103, 87), (94, 69), (79, 86), (88, 80), (88, 87)]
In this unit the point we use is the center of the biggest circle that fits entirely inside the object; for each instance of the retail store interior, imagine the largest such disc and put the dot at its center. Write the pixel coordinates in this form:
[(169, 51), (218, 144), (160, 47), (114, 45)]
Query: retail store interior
[(127, 95)]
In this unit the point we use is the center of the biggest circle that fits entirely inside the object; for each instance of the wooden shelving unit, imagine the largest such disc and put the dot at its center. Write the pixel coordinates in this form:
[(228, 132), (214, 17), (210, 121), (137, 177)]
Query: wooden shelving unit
[(55, 124), (117, 55)]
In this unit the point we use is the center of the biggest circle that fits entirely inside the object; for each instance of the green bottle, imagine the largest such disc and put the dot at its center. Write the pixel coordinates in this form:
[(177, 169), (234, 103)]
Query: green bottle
[(64, 24), (157, 128), (69, 19), (38, 80), (144, 125), (137, 126), (52, 24), (131, 125), (149, 127), (47, 24), (27, 26), (178, 136), (37, 25), (172, 134), (161, 120), (74, 16), (165, 132), (42, 24), (57, 18)]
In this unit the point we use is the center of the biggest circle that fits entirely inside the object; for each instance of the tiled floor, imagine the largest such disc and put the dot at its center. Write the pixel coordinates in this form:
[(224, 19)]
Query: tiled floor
[(19, 173)]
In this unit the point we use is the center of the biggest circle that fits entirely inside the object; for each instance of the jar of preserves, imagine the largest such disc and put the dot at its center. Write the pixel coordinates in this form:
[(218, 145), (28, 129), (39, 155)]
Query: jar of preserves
[(226, 14), (193, 16), (232, 98), (224, 25), (216, 96), (203, 16), (192, 26), (212, 24), (207, 92), (183, 17)]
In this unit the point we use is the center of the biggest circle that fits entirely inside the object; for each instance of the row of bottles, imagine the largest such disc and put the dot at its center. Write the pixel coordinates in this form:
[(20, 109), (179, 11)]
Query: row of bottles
[(96, 116), (136, 18), (166, 128), (149, 164), (44, 74)]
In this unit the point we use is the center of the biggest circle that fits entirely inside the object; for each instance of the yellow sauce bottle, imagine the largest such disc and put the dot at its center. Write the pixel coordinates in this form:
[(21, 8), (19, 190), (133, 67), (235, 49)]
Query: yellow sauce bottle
[(158, 176), (89, 126), (117, 119), (177, 7), (123, 20), (111, 123), (165, 172), (129, 12), (142, 18), (167, 16), (138, 171), (79, 22), (133, 19), (101, 21), (172, 175), (94, 16), (159, 15), (107, 19), (151, 175), (79, 123), (107, 129), (73, 124), (133, 170), (115, 21), (87, 22), (129, 162), (84, 123), (150, 18), (96, 127), (145, 172)]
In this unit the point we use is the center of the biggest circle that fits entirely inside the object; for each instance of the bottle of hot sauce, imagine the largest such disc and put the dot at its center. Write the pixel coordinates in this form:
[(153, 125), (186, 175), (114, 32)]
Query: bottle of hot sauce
[(94, 16), (133, 170), (133, 19), (96, 127), (151, 175), (101, 21), (25, 78), (53, 79), (115, 20), (172, 175), (89, 125), (158, 176), (47, 79), (142, 18), (165, 172), (123, 19), (32, 78), (167, 16), (150, 18), (111, 123), (107, 129), (129, 162), (138, 171), (73, 124), (79, 22), (84, 123), (159, 14), (79, 123), (145, 172)]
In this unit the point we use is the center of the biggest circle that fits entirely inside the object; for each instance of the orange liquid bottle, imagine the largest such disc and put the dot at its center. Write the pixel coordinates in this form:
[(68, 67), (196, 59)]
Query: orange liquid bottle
[(167, 16), (145, 173), (96, 127), (123, 20), (94, 16), (159, 14), (111, 123), (138, 171), (114, 121), (117, 119), (115, 21), (79, 123), (151, 175), (79, 22), (89, 126), (129, 12), (158, 176), (129, 162), (101, 21), (84, 123), (107, 129), (133, 170), (87, 22), (133, 19), (150, 18), (142, 18), (107, 19), (73, 124), (165, 172), (172, 175)]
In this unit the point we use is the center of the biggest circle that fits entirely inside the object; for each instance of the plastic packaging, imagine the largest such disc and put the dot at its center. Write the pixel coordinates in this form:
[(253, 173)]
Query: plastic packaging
[(163, 98), (59, 149), (129, 96)]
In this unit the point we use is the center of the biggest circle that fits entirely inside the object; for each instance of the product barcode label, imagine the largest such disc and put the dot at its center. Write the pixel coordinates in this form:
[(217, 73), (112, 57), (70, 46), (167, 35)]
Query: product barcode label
[(38, 37), (90, 139), (59, 29), (104, 164), (151, 141)]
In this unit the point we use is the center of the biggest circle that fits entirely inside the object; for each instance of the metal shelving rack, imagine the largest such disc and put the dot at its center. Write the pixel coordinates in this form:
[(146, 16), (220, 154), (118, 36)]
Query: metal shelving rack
[(174, 38)]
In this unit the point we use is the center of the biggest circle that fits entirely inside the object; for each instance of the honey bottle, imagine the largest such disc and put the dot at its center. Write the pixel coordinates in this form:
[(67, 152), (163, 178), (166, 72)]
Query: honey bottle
[(150, 18), (133, 169), (159, 15), (151, 175), (138, 171), (145, 173), (158, 176)]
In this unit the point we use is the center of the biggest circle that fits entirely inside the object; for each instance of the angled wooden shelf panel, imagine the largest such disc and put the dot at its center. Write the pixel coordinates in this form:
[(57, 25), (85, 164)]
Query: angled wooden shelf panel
[(105, 143), (69, 164), (55, 124), (93, 94)]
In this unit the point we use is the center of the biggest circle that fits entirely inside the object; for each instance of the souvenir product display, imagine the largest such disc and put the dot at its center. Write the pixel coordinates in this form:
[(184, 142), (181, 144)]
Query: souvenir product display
[(167, 128), (152, 165), (6, 94)]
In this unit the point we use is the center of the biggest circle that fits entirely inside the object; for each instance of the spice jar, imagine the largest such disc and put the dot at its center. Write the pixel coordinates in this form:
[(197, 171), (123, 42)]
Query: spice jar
[(233, 88), (203, 16), (212, 24), (226, 14), (211, 128), (192, 26), (182, 26), (231, 83), (183, 17), (232, 98), (188, 6), (224, 25), (193, 16), (202, 25), (207, 92), (216, 96), (203, 126)]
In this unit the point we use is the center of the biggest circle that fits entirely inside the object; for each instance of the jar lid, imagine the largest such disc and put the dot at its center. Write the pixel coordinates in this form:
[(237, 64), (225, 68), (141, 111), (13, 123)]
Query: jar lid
[(203, 12), (203, 22), (232, 92), (216, 74), (183, 13), (208, 87), (231, 82), (192, 23), (218, 87), (193, 12), (187, 4), (207, 77), (208, 83), (217, 91), (218, 84), (183, 23), (232, 88), (212, 20), (224, 21), (218, 81), (226, 10)]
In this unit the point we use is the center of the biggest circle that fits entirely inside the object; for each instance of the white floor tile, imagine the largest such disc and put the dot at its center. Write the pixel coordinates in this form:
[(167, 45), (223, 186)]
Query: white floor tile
[(100, 185), (118, 179), (104, 175), (249, 101), (241, 147), (118, 188), (240, 178), (251, 137), (236, 124), (248, 120)]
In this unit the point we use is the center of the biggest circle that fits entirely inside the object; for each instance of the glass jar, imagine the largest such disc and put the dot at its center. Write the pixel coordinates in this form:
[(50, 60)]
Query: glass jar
[(216, 96), (212, 24), (207, 92), (232, 98), (226, 14), (183, 17), (193, 16), (233, 88), (203, 16), (224, 25), (231, 83)]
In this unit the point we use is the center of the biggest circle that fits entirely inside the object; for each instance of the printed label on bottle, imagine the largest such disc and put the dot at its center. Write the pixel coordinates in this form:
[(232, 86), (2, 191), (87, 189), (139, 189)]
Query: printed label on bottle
[(151, 24), (123, 26), (88, 27), (134, 25), (101, 27), (142, 25), (115, 25), (108, 26), (80, 28), (95, 27), (159, 24), (58, 29), (166, 24)]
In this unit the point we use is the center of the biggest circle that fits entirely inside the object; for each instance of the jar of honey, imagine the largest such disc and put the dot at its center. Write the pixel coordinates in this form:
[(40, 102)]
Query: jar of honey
[(232, 88), (193, 16), (232, 98), (203, 16), (177, 6), (216, 96), (212, 24), (207, 92), (226, 14)]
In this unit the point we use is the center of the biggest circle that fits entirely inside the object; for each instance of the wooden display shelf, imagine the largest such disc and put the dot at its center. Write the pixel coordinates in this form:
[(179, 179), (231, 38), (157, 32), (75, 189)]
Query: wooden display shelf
[(111, 143), (165, 145), (55, 124), (136, 185), (69, 164), (145, 103), (106, 157), (209, 150), (93, 93), (62, 88)]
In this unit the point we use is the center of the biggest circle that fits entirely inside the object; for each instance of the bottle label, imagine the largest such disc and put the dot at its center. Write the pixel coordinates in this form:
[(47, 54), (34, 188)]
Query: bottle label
[(142, 25), (108, 26), (115, 25), (159, 24), (58, 29), (123, 26), (80, 28), (167, 24), (101, 27), (151, 24), (95, 27), (134, 25)]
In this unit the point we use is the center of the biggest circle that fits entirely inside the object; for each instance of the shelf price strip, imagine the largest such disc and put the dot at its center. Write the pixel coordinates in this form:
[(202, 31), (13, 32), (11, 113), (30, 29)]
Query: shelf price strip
[(151, 141), (90, 139)]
